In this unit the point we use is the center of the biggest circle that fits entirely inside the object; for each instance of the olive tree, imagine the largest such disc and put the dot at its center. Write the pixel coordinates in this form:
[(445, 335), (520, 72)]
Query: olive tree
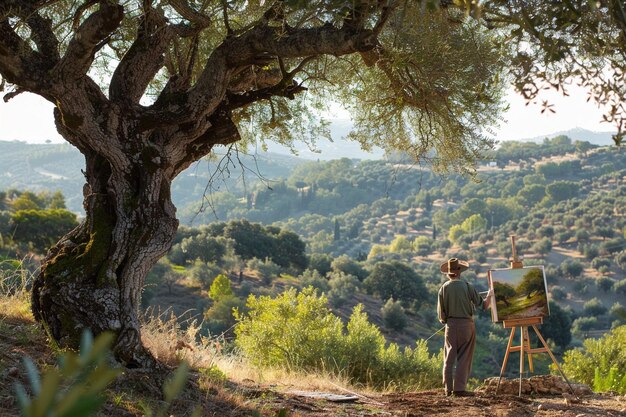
[(143, 89)]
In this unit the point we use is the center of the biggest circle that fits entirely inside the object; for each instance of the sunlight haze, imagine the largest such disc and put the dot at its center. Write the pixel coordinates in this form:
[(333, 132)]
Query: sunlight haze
[(29, 118)]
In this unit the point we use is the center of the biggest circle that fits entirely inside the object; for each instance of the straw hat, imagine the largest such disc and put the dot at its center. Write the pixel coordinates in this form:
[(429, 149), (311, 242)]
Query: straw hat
[(454, 266)]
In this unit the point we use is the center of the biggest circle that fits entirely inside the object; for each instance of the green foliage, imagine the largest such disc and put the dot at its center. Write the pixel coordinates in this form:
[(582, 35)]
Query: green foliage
[(160, 274), (220, 318), (252, 240), (202, 273), (594, 307), (349, 266), (312, 278), (562, 190), (214, 375), (423, 245), (393, 315), (532, 194), (558, 293), (400, 244), (503, 292), (583, 324), (614, 381), (320, 262), (266, 269), (298, 331), (73, 389), (600, 363), (618, 312), (620, 287), (220, 288), (394, 279), (342, 287), (27, 200), (532, 281), (543, 246), (204, 247), (557, 326), (620, 258), (42, 228)]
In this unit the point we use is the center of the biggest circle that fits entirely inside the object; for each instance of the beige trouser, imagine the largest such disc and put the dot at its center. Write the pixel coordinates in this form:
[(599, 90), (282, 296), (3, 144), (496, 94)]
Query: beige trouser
[(459, 348)]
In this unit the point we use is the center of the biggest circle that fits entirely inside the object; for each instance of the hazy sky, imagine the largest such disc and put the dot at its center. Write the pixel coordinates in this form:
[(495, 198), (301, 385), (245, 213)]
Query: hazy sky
[(29, 118)]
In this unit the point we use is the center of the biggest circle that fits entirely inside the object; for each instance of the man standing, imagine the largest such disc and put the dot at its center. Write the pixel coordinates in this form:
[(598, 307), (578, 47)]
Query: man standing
[(455, 306)]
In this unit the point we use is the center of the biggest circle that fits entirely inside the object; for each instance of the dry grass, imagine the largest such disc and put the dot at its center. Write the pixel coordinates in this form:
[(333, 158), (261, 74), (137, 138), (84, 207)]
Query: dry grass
[(172, 340), (15, 293)]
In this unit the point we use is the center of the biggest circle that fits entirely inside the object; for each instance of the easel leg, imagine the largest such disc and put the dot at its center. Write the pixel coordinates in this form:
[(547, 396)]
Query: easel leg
[(530, 356), (545, 345), (506, 358), (521, 360)]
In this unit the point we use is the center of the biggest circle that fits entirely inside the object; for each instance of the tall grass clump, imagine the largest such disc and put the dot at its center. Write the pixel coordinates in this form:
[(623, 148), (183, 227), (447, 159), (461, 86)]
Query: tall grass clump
[(173, 339), (600, 363), (16, 277), (297, 331)]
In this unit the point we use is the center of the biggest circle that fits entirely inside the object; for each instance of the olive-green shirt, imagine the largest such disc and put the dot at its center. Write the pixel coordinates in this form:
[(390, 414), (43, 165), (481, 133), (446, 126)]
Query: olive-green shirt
[(457, 299)]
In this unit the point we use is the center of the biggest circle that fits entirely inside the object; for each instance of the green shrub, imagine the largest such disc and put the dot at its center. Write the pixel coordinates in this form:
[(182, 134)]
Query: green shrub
[(312, 278), (76, 386), (295, 330), (299, 332), (604, 284), (618, 312), (558, 293), (320, 262), (620, 287), (423, 245), (342, 287), (203, 273), (601, 363), (584, 324), (349, 266), (266, 269), (219, 318), (594, 307), (393, 315), (220, 288), (613, 381), (597, 263)]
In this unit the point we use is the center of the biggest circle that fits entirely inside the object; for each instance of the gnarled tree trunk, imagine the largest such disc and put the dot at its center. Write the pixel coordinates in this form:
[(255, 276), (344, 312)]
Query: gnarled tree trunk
[(94, 276)]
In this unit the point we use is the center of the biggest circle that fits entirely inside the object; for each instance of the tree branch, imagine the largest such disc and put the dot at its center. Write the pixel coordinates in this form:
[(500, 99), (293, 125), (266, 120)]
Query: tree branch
[(291, 43), (44, 37), (19, 64), (87, 40), (197, 19), (143, 60)]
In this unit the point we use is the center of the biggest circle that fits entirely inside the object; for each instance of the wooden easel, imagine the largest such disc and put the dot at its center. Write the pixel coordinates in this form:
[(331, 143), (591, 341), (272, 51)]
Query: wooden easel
[(524, 346)]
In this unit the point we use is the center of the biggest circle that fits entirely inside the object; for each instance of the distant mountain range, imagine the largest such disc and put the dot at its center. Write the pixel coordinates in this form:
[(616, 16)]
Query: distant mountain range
[(339, 147), (343, 148), (578, 133)]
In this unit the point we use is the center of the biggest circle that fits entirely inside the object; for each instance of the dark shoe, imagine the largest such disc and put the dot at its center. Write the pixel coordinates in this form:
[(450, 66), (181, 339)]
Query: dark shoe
[(462, 394), (448, 393)]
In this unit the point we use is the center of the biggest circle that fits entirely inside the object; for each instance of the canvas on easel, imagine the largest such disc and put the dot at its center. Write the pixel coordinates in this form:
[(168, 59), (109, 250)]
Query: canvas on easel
[(521, 301), (519, 293)]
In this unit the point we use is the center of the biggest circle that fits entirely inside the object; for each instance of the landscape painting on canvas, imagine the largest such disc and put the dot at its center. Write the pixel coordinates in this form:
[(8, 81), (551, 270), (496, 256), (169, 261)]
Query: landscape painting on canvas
[(519, 293)]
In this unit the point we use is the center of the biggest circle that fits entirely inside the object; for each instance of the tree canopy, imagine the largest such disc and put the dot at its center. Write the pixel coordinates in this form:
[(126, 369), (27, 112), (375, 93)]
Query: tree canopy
[(146, 88)]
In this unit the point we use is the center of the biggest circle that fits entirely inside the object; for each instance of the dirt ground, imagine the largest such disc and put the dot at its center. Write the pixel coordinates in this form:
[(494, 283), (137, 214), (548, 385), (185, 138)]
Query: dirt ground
[(433, 403)]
